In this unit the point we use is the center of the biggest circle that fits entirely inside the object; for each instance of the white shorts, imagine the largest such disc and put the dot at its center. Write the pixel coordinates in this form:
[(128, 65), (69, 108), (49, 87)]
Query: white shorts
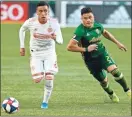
[(41, 66)]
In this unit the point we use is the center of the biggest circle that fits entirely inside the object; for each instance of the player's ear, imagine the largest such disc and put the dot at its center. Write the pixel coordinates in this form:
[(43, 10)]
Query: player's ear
[(81, 17), (48, 11), (37, 11)]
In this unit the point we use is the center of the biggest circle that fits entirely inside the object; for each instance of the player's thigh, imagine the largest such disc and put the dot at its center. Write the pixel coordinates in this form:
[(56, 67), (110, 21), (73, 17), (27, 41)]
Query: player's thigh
[(93, 65), (99, 75), (96, 70), (50, 65), (107, 62), (37, 69)]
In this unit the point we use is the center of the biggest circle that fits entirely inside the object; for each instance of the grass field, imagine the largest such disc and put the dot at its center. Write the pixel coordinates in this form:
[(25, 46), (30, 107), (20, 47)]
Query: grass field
[(76, 92)]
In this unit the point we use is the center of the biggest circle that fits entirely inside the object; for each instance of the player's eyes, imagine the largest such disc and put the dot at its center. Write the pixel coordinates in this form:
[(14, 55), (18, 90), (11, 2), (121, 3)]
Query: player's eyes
[(45, 11), (85, 18), (40, 11), (90, 17)]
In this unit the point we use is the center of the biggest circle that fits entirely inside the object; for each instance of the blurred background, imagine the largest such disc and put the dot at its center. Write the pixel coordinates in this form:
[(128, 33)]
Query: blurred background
[(118, 13)]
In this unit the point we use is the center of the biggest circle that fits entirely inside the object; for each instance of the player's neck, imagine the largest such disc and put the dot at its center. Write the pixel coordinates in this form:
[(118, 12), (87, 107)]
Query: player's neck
[(42, 21), (89, 26)]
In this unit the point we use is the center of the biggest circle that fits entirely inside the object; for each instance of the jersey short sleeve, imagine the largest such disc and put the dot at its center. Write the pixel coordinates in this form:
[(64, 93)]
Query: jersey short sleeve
[(101, 28), (78, 34), (25, 25), (59, 38)]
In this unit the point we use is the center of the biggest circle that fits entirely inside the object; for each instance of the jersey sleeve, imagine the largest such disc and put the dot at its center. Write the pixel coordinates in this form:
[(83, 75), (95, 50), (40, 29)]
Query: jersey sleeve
[(22, 30), (78, 34), (59, 38), (102, 28)]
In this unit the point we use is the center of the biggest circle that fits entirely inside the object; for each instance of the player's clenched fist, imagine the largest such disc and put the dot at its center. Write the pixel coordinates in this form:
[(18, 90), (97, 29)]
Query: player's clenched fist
[(53, 36), (92, 47), (22, 51)]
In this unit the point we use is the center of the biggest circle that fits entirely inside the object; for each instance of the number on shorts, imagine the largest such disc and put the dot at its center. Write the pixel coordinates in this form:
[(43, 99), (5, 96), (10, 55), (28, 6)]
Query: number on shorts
[(108, 59)]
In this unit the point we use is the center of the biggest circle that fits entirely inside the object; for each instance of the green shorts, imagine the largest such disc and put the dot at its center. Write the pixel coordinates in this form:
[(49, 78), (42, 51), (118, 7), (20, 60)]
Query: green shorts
[(98, 65)]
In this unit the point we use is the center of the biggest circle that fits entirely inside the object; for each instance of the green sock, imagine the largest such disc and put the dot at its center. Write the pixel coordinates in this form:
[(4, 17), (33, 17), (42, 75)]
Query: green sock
[(120, 79), (123, 83), (107, 89)]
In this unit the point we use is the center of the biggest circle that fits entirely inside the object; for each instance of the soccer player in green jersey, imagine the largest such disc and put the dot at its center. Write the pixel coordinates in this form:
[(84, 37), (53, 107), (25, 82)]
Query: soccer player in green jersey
[(87, 40)]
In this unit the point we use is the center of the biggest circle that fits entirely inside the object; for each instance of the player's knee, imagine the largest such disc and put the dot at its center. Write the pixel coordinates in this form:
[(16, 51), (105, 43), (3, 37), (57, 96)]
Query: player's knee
[(38, 77), (49, 76), (104, 83), (37, 80), (117, 74)]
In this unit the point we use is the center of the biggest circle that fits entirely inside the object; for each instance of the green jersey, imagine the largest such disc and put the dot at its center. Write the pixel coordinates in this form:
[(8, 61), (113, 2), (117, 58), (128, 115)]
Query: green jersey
[(86, 36)]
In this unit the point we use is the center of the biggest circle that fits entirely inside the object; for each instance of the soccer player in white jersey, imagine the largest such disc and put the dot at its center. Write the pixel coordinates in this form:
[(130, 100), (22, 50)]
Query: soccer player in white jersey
[(44, 33)]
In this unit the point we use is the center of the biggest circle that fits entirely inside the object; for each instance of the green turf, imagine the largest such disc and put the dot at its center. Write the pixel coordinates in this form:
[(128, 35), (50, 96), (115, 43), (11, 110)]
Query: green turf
[(75, 92)]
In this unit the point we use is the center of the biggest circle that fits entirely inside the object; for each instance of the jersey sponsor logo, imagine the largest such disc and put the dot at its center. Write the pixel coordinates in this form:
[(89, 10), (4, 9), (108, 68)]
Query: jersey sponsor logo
[(41, 36), (94, 40)]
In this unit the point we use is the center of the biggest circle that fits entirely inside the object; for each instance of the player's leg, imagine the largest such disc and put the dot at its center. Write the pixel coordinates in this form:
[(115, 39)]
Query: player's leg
[(51, 69), (110, 66), (95, 68), (102, 78), (119, 78), (36, 66)]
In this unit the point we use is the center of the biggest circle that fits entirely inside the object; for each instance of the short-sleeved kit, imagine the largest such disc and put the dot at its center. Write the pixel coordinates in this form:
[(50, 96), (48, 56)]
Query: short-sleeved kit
[(98, 60)]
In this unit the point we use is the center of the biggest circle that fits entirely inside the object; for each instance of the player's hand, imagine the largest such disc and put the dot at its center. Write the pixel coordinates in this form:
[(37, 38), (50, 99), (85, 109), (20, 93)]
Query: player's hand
[(53, 36), (92, 47), (121, 46), (22, 51)]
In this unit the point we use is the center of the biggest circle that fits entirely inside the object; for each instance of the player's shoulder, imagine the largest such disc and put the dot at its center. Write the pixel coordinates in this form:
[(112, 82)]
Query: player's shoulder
[(31, 20), (97, 24), (53, 21), (80, 29), (80, 26)]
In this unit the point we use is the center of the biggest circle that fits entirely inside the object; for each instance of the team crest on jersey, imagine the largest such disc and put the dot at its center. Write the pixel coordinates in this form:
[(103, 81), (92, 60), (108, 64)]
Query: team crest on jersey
[(97, 31), (88, 34), (50, 29)]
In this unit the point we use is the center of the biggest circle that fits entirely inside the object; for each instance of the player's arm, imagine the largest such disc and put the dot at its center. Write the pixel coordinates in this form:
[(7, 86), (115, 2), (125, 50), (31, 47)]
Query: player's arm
[(57, 35), (22, 30), (109, 36), (73, 46)]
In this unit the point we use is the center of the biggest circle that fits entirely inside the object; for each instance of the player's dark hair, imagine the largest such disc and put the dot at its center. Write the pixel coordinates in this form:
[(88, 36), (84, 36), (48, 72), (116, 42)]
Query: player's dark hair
[(86, 10), (43, 3)]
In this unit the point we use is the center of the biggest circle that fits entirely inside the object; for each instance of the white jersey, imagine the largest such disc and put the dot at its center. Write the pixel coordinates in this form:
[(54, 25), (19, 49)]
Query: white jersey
[(40, 43)]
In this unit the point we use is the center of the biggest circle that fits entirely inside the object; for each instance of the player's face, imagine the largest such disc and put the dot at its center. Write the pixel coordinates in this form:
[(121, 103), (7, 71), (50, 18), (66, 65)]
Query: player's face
[(42, 12), (88, 19)]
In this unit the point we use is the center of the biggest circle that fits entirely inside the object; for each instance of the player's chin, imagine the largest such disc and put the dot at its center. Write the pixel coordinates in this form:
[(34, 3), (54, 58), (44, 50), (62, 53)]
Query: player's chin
[(44, 18), (88, 25)]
